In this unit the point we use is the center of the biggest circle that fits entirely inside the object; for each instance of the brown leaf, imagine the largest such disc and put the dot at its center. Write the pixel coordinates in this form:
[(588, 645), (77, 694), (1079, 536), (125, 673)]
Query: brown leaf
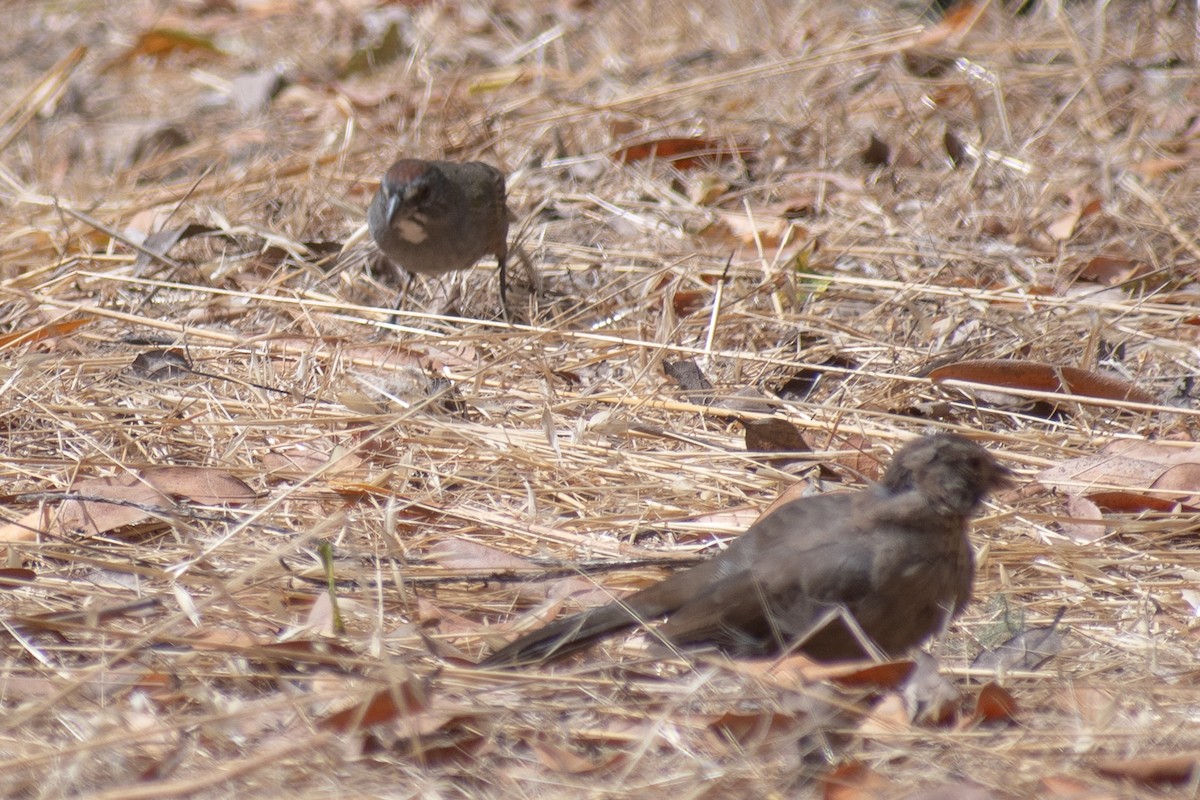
[(1153, 168), (160, 365), (43, 332), (463, 554), (1113, 270), (199, 484), (1153, 770), (686, 302), (16, 577), (1080, 203), (773, 435), (1079, 508), (1132, 464), (161, 242), (877, 153), (384, 705), (682, 152), (1041, 377), (106, 504), (888, 675), (995, 704), (763, 226), (753, 726), (159, 43), (1117, 502), (957, 20), (687, 374), (956, 150), (854, 780)]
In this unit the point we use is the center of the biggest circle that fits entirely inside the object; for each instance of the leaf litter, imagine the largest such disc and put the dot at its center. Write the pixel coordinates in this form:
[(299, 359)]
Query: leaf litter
[(691, 183)]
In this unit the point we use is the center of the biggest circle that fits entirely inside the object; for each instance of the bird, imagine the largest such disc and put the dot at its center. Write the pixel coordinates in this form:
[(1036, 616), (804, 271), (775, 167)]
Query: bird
[(433, 217), (839, 576)]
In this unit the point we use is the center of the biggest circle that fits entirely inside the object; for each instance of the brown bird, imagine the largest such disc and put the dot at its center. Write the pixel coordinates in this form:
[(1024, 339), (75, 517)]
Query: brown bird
[(894, 558), (431, 217)]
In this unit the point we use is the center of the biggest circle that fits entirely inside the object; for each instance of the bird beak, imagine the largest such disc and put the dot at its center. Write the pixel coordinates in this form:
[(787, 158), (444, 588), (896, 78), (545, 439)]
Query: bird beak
[(1005, 477), (393, 205)]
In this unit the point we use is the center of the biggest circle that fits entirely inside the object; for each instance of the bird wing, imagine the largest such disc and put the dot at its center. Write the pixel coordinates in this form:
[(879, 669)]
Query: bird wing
[(782, 598)]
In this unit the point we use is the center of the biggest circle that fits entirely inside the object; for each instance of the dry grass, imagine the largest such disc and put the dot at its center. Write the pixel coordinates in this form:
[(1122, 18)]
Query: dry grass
[(557, 438)]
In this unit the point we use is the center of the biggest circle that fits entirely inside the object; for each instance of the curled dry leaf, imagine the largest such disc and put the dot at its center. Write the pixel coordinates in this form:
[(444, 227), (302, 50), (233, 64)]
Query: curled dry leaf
[(995, 704), (682, 152), (688, 375), (1113, 270), (1154, 770), (43, 332), (160, 365), (1086, 523), (1171, 473), (384, 705), (1024, 652), (773, 435), (1040, 377), (106, 504), (877, 152), (854, 780), (1080, 203)]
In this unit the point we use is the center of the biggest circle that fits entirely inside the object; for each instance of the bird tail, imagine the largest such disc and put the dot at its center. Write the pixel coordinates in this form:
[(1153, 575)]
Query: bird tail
[(578, 631)]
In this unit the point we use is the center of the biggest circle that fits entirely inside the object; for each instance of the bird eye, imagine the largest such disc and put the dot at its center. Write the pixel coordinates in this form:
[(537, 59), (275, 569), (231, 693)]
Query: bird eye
[(416, 192)]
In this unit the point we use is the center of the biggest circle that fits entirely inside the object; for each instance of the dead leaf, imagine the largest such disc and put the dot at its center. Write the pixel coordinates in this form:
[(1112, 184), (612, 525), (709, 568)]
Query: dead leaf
[(106, 504), (1172, 473), (995, 704), (1152, 770), (160, 365), (956, 150), (877, 153), (159, 43), (887, 675), (384, 705), (463, 554), (1153, 168), (1080, 204), (763, 226), (200, 484), (854, 780), (956, 22), (1117, 502), (16, 577), (682, 152), (1080, 508), (1026, 651), (773, 435), (43, 332), (753, 726), (1041, 377), (691, 380), (686, 302), (1113, 270), (161, 242)]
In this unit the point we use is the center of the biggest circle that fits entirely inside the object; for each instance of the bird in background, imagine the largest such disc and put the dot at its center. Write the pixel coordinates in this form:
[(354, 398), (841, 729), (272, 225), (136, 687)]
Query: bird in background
[(434, 217)]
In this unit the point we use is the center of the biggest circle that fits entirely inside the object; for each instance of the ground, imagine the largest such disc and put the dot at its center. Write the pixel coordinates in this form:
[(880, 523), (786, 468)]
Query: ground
[(223, 412)]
